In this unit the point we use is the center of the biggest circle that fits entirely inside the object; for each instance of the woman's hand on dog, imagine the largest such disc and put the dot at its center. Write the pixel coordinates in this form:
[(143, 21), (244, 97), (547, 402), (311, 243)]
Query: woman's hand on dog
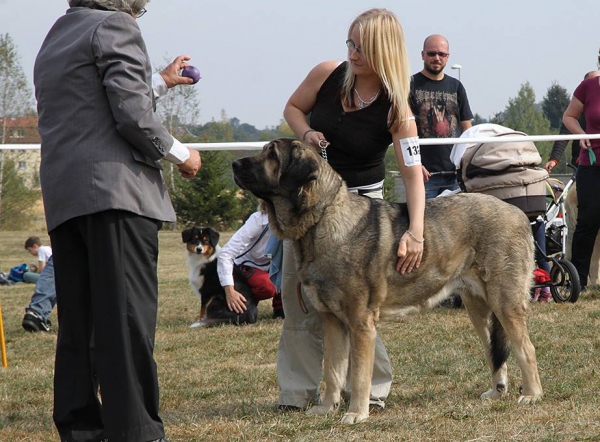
[(410, 253), (235, 300)]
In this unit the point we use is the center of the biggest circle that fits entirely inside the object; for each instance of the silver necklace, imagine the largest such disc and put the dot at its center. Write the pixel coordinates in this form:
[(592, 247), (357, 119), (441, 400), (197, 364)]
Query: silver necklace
[(362, 103)]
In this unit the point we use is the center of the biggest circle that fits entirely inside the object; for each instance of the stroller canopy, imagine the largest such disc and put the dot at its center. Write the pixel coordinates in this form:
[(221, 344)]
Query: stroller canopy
[(508, 171)]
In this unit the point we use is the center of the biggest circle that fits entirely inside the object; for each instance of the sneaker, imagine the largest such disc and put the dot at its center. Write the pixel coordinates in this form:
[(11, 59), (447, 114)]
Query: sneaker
[(545, 295), (4, 280), (278, 313), (34, 322)]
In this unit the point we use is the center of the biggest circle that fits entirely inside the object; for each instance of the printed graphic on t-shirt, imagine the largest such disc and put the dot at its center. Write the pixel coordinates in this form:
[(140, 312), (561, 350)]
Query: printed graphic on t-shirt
[(437, 114)]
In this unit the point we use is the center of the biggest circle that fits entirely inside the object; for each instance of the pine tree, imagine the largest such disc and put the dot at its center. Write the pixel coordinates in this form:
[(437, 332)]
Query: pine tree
[(554, 104), (522, 114), (211, 198)]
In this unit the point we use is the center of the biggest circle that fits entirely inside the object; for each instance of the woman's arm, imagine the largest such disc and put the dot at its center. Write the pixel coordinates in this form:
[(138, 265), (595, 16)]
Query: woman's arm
[(410, 248), (304, 98), (571, 120)]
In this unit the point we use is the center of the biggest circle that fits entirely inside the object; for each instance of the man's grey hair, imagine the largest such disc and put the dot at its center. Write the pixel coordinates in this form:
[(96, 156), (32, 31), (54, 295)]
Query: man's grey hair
[(128, 6)]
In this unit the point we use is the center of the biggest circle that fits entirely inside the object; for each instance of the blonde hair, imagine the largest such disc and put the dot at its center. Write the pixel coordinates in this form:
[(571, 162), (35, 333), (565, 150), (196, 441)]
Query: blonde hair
[(384, 48)]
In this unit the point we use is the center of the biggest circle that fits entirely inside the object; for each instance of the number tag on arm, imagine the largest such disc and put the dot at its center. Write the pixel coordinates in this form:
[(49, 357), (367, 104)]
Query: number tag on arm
[(411, 151)]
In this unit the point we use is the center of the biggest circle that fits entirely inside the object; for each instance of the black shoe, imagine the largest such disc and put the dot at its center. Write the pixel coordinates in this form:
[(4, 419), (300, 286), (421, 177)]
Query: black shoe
[(278, 313), (34, 322), (288, 408)]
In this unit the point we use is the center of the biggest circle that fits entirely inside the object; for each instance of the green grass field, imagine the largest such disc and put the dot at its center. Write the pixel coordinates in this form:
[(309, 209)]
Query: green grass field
[(219, 384)]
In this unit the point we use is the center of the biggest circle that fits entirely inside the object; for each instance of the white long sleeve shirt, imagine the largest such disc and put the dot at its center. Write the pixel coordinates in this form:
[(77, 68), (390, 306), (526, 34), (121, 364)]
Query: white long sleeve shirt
[(241, 241)]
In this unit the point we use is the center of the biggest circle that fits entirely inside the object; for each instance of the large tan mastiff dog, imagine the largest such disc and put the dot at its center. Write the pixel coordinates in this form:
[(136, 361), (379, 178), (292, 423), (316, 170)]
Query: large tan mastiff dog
[(475, 245)]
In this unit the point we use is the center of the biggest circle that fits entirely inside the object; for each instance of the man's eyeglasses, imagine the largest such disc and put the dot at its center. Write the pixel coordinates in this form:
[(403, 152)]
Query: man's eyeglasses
[(439, 54), (141, 12), (352, 46)]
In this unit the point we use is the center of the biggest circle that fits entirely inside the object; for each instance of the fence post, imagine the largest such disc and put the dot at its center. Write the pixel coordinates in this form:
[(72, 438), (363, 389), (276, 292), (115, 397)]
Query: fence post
[(2, 341)]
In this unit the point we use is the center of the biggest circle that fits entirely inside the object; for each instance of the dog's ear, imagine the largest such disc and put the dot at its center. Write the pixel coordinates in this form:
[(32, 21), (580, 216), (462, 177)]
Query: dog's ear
[(186, 235), (214, 236), (301, 167)]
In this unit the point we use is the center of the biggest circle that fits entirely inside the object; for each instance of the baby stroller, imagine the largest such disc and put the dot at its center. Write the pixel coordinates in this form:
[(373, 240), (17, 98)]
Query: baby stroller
[(510, 172), (564, 280)]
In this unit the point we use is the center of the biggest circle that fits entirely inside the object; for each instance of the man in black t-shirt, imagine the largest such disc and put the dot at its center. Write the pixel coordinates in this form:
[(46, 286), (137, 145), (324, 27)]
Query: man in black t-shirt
[(441, 108)]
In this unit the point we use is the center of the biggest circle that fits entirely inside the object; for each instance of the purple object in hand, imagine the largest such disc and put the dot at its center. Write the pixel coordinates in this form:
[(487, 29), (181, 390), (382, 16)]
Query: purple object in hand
[(191, 72)]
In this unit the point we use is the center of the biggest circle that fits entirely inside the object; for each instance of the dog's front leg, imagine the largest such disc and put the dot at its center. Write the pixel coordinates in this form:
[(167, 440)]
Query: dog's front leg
[(335, 364), (362, 355)]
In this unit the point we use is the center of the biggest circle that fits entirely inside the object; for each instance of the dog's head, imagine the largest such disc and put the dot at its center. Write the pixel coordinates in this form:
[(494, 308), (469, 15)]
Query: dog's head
[(284, 166), (292, 178), (200, 240)]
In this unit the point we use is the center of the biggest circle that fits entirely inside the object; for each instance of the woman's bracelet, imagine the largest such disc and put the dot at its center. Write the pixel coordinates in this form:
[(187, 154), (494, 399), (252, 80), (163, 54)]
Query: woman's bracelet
[(420, 241), (306, 133)]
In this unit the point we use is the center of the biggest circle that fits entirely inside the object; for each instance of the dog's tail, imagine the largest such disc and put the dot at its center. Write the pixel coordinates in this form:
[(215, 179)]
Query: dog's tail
[(499, 344)]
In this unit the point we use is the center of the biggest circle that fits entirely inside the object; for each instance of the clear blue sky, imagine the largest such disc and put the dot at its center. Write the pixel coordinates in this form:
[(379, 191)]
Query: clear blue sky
[(253, 54)]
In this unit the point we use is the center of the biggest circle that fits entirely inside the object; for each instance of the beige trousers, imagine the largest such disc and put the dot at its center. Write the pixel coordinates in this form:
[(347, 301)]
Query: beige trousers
[(300, 352)]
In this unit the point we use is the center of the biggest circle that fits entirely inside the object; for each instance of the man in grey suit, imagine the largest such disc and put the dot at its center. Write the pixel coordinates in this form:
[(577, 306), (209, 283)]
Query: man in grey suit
[(105, 200)]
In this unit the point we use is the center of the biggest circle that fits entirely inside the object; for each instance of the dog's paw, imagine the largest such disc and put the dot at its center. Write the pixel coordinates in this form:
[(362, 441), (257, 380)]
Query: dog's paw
[(492, 394), (353, 418), (321, 410), (527, 400)]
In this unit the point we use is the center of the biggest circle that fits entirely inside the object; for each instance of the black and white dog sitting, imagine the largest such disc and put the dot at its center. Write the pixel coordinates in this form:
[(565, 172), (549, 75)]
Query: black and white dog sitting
[(203, 248)]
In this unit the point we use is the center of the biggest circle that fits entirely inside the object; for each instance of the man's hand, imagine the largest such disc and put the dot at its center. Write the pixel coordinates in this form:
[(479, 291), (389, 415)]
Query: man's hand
[(191, 166), (426, 174), (171, 73)]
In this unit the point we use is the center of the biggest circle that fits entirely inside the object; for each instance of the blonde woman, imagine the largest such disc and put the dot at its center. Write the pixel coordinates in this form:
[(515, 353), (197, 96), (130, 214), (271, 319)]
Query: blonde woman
[(357, 109)]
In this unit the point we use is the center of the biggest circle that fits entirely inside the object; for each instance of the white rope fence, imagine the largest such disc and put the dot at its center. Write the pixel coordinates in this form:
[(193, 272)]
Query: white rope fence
[(257, 145)]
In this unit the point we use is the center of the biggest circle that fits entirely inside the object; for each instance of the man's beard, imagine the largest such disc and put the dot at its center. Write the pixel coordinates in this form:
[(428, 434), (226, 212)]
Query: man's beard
[(434, 71)]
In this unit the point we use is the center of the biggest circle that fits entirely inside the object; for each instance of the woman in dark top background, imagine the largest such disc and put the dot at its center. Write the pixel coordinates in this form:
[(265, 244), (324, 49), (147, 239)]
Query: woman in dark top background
[(586, 101)]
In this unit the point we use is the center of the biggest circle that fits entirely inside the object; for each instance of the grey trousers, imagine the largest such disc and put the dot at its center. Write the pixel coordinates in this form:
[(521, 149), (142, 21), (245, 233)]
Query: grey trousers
[(300, 352)]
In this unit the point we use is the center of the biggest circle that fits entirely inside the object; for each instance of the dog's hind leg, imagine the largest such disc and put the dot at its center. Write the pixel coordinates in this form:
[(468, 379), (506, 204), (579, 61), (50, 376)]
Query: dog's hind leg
[(513, 324), (335, 363), (493, 341)]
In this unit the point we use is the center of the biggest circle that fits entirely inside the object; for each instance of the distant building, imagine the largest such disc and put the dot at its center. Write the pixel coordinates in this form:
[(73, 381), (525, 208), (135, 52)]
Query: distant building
[(22, 130)]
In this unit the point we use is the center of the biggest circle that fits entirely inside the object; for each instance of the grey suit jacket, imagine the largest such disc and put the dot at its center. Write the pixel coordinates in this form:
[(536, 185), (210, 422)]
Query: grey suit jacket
[(101, 139)]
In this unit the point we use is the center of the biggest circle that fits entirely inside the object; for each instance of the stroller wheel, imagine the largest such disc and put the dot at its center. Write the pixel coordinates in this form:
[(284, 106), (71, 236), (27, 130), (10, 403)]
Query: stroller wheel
[(565, 282)]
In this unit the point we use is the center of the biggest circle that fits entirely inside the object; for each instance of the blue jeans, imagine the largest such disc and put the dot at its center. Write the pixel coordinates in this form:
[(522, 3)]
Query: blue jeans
[(44, 295), (539, 235), (438, 183), (31, 277)]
